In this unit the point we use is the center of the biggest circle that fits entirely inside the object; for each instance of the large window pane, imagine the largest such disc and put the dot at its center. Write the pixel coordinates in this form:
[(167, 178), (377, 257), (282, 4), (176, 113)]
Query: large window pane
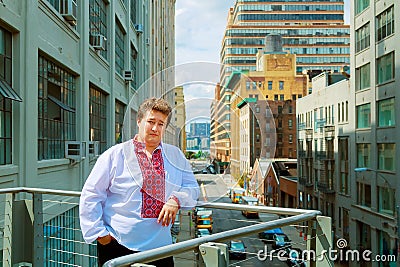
[(362, 38), (386, 200), (386, 113), (364, 116), (385, 24), (119, 120), (385, 68), (119, 49), (56, 109), (5, 103), (97, 117), (363, 155), (386, 157), (98, 20), (363, 77), (361, 5)]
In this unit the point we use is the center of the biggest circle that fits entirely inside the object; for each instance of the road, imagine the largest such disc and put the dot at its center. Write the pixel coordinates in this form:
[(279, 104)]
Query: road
[(215, 188)]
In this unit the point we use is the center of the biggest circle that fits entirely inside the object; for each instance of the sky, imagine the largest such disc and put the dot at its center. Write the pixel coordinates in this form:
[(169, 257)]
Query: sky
[(199, 28)]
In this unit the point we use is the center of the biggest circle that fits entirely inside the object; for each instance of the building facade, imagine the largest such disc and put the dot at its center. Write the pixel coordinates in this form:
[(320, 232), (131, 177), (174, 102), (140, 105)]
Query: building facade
[(375, 66), (325, 131), (315, 32), (275, 86), (180, 117), (68, 74)]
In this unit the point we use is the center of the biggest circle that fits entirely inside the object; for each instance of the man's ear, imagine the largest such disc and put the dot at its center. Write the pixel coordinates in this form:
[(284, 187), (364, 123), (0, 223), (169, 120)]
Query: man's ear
[(138, 122)]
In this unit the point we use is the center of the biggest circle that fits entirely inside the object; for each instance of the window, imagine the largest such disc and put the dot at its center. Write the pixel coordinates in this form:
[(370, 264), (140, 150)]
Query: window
[(364, 194), (282, 97), (97, 117), (385, 24), (343, 152), (98, 21), (290, 123), (294, 97), (290, 109), (280, 109), (290, 138), (257, 138), (257, 109), (386, 114), (119, 120), (133, 66), (269, 85), (7, 95), (133, 11), (363, 77), (276, 97), (248, 85), (281, 85), (385, 68), (119, 49), (361, 5), (386, 200), (363, 155), (56, 109), (363, 116), (386, 157), (362, 38)]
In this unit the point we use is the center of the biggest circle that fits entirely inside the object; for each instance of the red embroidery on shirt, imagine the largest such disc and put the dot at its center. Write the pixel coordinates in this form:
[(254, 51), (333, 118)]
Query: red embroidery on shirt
[(153, 189)]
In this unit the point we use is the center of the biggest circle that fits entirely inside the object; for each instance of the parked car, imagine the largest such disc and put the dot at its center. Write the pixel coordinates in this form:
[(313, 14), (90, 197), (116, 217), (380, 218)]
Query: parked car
[(281, 241), (268, 235), (294, 257), (237, 249), (202, 232)]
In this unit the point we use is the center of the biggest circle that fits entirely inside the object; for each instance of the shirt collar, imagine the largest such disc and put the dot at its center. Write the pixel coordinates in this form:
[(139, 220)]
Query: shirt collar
[(141, 146)]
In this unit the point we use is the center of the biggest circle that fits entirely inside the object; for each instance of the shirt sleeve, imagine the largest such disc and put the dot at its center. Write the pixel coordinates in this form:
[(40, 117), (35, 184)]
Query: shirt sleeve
[(189, 191), (93, 195)]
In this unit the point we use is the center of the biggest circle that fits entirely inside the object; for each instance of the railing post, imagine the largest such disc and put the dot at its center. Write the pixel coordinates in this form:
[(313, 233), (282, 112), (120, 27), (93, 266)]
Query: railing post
[(214, 254), (323, 241), (311, 242), (7, 232), (38, 235)]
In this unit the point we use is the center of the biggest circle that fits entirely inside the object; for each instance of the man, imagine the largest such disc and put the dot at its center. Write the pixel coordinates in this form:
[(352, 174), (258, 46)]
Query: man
[(132, 195)]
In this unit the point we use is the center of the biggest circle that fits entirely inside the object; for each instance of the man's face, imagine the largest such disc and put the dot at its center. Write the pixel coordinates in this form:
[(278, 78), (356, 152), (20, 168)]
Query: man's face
[(152, 127)]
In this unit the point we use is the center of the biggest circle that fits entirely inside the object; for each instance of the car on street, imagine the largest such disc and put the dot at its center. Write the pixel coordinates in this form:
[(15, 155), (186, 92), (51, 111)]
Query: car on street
[(281, 241), (237, 249), (294, 257), (268, 235), (202, 232)]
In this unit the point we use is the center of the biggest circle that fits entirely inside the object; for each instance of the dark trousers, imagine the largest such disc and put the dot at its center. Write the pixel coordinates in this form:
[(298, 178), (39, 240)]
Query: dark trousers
[(114, 250)]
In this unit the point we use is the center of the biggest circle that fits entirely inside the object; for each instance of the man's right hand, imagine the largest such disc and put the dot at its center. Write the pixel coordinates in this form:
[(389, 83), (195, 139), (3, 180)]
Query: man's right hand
[(104, 240)]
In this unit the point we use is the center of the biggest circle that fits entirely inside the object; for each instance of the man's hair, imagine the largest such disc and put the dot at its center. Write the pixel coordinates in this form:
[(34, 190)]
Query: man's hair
[(157, 104)]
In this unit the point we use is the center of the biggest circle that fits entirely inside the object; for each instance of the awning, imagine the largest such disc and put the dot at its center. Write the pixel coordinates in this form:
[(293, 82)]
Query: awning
[(7, 91), (60, 104)]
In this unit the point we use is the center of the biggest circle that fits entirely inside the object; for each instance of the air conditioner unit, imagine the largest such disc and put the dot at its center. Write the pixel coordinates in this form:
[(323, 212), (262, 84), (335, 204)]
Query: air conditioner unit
[(139, 28), (128, 75), (147, 41), (74, 150), (68, 10), (93, 148), (98, 41)]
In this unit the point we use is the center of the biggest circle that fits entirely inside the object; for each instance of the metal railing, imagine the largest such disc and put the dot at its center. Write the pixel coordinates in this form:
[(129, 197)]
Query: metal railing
[(45, 223)]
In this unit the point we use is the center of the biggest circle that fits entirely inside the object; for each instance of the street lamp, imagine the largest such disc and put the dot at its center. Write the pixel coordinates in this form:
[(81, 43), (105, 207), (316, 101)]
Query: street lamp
[(364, 169)]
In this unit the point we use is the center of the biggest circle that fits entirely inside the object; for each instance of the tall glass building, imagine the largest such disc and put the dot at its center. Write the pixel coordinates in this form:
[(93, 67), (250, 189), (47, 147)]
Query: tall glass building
[(314, 31)]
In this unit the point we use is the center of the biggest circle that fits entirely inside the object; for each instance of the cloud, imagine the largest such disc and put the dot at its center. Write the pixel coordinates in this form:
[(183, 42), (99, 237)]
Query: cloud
[(199, 29)]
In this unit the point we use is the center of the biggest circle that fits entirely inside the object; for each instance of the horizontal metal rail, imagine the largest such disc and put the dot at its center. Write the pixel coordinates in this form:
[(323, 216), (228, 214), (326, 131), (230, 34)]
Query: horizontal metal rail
[(262, 209), (162, 252), (40, 191)]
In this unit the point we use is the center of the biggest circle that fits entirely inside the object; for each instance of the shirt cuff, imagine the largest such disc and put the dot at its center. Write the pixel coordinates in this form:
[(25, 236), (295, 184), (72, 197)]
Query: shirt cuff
[(176, 199)]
